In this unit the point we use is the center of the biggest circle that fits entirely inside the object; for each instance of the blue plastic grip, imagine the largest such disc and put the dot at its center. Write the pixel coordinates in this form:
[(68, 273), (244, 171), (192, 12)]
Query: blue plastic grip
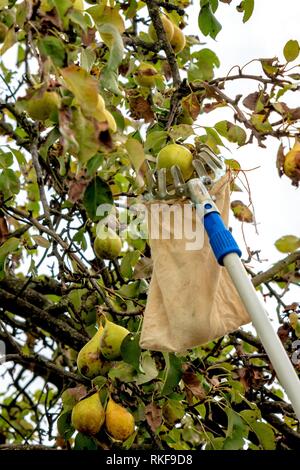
[(221, 239)]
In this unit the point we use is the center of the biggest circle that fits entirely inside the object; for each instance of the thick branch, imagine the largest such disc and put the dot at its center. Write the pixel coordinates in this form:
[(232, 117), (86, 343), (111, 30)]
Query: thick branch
[(47, 370), (59, 329), (270, 274), (292, 438)]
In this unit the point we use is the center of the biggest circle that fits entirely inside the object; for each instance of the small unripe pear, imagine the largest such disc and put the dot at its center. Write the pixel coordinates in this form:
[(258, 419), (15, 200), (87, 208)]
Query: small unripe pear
[(118, 421), (90, 363), (291, 165), (178, 40), (88, 415), (107, 244), (168, 27), (145, 75), (111, 340)]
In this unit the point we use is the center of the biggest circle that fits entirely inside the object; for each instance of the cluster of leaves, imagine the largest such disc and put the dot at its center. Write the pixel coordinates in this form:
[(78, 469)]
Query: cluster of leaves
[(63, 155)]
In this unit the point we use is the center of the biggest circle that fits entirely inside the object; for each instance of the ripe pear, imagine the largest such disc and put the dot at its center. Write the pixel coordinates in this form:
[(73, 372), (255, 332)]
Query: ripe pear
[(111, 340), (118, 421), (3, 32), (107, 243), (89, 360), (145, 75), (291, 165), (41, 107), (168, 27), (88, 415), (175, 154), (178, 40)]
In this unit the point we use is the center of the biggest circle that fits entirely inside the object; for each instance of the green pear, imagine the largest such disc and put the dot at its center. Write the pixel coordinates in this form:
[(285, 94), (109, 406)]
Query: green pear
[(107, 243), (111, 340), (89, 360), (88, 415)]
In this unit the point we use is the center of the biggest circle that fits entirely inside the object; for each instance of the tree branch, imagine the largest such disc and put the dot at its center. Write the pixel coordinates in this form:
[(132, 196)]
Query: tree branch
[(154, 13), (270, 274), (58, 328)]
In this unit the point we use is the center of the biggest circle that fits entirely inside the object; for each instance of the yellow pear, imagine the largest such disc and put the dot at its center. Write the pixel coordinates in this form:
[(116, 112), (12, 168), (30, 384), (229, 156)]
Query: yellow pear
[(111, 340), (175, 154), (88, 415), (168, 27), (107, 243), (89, 360), (118, 421), (178, 40), (145, 75), (291, 165)]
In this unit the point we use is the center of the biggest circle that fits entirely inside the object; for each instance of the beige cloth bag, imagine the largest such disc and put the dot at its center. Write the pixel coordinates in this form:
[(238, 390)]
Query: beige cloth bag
[(191, 297)]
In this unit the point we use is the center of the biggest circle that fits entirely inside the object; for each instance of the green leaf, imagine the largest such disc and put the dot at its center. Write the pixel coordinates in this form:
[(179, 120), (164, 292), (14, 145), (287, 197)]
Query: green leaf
[(173, 373), (117, 47), (94, 163), (109, 73), (128, 443), (9, 183), (136, 153), (236, 432), (265, 435), (83, 442), (79, 237), (51, 138), (203, 69), (9, 246), (62, 6), (155, 140), (181, 131), (237, 134), (6, 159), (122, 371), (131, 351), (51, 46), (208, 23), (19, 157), (128, 262), (287, 244), (148, 367), (84, 87), (96, 194), (41, 241), (99, 382), (291, 50), (247, 6), (64, 425)]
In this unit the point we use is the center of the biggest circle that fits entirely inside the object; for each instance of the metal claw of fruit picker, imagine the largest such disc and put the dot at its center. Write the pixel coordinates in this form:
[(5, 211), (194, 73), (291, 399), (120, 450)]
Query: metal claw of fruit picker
[(210, 168)]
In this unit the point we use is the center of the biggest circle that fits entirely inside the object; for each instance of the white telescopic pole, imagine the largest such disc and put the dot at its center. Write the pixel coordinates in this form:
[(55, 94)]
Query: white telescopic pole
[(270, 340)]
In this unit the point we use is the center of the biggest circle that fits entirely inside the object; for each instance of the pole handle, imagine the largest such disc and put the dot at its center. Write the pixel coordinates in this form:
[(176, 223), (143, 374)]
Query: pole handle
[(221, 239)]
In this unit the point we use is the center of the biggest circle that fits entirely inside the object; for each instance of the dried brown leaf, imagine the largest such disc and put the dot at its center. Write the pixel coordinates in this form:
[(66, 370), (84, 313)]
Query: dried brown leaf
[(153, 415)]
